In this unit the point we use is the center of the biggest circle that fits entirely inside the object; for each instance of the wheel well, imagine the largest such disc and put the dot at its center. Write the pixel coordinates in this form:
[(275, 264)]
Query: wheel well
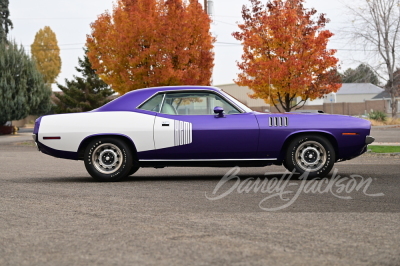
[(86, 141), (329, 137)]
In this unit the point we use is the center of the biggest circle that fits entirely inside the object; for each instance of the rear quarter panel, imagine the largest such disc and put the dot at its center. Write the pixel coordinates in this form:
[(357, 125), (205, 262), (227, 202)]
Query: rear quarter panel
[(74, 128), (273, 138)]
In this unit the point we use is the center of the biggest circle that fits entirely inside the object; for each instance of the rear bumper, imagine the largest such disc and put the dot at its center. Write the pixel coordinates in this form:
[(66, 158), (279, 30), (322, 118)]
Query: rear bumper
[(34, 136)]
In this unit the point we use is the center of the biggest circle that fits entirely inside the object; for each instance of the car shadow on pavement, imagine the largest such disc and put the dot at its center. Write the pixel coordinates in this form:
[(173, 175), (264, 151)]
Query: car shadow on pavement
[(160, 178), (185, 178), (134, 178), (84, 179)]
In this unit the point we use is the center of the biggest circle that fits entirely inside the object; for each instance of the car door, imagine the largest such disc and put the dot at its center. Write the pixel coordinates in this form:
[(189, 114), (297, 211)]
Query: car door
[(186, 128)]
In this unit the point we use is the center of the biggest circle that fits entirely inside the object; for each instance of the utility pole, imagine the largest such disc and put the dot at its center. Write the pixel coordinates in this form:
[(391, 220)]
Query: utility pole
[(270, 97), (209, 7)]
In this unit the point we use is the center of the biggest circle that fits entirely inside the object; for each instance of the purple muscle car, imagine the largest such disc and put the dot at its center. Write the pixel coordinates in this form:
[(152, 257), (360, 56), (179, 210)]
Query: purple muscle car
[(197, 126)]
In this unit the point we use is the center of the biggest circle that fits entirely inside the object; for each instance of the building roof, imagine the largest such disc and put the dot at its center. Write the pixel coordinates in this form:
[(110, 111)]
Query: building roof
[(383, 94), (359, 88)]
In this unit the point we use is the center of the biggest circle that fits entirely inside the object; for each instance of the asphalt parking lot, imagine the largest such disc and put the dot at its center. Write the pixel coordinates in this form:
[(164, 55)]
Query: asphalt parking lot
[(53, 213)]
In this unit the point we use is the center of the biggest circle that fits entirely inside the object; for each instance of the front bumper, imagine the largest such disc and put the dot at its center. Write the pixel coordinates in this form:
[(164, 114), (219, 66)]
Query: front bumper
[(369, 140)]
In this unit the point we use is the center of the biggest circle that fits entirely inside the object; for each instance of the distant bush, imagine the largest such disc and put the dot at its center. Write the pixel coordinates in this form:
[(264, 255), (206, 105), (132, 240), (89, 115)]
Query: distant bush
[(377, 115)]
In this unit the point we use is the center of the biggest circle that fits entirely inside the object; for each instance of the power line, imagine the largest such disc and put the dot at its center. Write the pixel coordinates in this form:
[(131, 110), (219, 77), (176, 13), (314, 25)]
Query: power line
[(217, 44), (45, 18), (64, 44), (343, 49), (80, 48), (223, 22)]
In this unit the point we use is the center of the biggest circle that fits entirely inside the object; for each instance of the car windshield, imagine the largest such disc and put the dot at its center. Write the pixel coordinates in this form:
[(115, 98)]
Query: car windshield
[(244, 107)]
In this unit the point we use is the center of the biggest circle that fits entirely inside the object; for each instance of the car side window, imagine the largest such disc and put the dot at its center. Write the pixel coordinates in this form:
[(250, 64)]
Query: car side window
[(153, 104), (195, 103)]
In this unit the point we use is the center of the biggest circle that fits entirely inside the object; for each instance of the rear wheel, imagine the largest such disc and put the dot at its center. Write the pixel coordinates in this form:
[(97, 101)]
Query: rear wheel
[(310, 153), (108, 159)]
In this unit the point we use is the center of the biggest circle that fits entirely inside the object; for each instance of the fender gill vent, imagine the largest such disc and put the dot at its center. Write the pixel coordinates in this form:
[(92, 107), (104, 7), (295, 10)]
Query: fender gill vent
[(278, 121)]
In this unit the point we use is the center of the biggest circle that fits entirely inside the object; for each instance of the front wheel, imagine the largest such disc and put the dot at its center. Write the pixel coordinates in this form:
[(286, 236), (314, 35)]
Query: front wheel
[(108, 159), (134, 169), (310, 153)]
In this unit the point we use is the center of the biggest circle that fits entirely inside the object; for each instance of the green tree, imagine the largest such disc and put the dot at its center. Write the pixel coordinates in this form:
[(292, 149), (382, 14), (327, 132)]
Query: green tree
[(46, 52), (22, 89), (5, 22), (83, 93), (362, 74)]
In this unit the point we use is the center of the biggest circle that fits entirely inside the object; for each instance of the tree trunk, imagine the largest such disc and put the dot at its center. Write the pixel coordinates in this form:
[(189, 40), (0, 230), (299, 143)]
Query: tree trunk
[(393, 104)]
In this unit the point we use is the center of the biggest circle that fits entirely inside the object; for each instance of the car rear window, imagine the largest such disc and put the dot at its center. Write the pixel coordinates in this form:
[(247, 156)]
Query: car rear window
[(153, 104)]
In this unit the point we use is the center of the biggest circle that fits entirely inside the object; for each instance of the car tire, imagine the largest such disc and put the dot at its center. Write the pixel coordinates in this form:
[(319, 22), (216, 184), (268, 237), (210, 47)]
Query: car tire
[(310, 153), (134, 169), (285, 164), (108, 159)]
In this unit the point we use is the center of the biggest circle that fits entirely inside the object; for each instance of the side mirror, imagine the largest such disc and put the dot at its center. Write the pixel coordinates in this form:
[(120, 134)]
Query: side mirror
[(219, 111)]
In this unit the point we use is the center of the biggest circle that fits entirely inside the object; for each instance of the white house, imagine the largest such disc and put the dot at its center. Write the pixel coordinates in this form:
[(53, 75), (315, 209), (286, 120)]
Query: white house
[(384, 95), (241, 93), (350, 93)]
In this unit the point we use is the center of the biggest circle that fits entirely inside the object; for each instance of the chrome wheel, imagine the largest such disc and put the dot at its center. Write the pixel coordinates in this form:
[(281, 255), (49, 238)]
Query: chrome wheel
[(107, 158), (310, 156)]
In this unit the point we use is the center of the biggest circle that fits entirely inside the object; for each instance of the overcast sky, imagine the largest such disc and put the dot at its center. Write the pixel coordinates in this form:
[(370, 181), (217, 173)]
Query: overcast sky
[(71, 19)]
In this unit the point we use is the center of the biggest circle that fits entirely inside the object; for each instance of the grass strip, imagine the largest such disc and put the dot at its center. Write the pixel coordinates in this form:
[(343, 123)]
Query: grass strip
[(384, 149)]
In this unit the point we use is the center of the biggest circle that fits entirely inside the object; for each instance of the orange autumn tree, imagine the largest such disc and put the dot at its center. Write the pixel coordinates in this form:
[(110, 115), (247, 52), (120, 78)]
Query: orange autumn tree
[(285, 53), (147, 43)]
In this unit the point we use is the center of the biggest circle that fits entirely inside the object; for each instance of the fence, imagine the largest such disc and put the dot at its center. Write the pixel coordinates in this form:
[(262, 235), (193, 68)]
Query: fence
[(338, 108)]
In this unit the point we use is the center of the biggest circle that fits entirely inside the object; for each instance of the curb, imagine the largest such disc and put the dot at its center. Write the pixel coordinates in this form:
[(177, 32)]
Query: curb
[(376, 154), (384, 144)]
